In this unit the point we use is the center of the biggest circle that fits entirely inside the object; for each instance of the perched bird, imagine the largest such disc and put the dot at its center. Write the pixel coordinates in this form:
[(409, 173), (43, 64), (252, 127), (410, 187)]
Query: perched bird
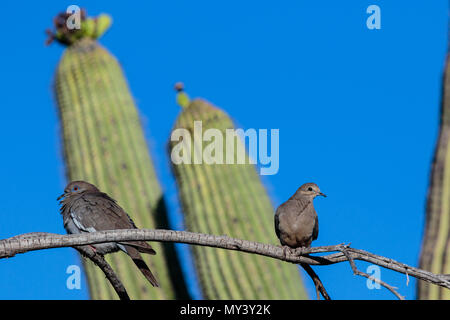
[(297, 225), (86, 209), (296, 222)]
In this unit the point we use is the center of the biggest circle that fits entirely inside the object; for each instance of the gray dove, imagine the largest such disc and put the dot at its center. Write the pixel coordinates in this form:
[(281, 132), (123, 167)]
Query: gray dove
[(86, 209), (296, 221), (297, 225)]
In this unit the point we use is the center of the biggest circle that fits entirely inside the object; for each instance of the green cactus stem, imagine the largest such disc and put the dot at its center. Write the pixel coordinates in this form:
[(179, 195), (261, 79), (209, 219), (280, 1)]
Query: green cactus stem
[(104, 144), (229, 199), (435, 254)]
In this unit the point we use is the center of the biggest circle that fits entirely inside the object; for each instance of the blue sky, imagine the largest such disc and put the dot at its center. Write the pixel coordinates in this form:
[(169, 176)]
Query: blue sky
[(357, 111)]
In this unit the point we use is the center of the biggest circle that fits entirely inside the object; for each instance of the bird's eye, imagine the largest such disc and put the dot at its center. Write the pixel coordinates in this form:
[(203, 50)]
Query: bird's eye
[(310, 189), (75, 188)]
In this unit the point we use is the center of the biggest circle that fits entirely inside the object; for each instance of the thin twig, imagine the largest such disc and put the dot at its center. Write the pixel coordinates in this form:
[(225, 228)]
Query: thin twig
[(320, 288), (303, 251), (368, 276), (112, 277)]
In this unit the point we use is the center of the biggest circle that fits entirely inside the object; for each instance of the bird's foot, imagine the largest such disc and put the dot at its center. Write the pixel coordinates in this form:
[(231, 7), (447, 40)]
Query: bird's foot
[(288, 251), (299, 251)]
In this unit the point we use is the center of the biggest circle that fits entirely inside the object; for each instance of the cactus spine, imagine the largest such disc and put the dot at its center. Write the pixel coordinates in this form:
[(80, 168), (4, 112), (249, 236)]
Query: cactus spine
[(104, 144), (435, 255), (229, 199)]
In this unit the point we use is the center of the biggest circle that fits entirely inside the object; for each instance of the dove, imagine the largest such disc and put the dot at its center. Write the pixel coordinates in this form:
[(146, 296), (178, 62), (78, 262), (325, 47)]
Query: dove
[(85, 208), (297, 225), (296, 221)]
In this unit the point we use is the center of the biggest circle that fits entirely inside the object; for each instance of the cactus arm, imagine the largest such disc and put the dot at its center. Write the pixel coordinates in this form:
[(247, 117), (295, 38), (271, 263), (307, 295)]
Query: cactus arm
[(435, 253)]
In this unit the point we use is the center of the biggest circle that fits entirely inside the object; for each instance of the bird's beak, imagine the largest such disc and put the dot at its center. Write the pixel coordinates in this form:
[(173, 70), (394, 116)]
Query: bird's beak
[(322, 194), (60, 197)]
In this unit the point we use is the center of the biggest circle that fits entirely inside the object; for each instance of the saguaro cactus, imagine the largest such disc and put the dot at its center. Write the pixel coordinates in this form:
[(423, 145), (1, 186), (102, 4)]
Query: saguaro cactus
[(435, 255), (228, 199), (104, 144)]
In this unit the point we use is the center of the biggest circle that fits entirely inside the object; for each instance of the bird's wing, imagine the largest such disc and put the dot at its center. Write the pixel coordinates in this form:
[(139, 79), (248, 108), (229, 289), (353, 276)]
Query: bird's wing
[(97, 211), (277, 223), (316, 228)]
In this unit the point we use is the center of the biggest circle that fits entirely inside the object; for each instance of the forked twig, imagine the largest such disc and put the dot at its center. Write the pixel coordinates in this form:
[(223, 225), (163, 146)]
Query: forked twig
[(356, 271)]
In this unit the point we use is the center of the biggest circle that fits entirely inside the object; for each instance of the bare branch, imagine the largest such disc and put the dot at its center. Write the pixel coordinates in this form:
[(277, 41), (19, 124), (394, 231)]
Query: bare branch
[(100, 261), (320, 288), (37, 241), (363, 274), (85, 251)]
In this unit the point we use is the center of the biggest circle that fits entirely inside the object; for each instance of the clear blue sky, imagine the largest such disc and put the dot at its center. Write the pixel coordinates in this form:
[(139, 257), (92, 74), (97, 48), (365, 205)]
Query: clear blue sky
[(357, 111)]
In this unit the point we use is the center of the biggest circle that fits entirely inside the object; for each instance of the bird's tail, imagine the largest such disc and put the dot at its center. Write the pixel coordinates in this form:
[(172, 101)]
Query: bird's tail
[(140, 263)]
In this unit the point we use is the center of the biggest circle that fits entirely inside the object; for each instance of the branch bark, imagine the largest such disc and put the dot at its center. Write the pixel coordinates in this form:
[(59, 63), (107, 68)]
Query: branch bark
[(87, 252), (112, 277), (40, 240), (320, 288)]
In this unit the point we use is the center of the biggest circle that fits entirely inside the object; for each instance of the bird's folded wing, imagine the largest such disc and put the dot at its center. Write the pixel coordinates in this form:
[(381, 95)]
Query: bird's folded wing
[(316, 229), (99, 212)]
